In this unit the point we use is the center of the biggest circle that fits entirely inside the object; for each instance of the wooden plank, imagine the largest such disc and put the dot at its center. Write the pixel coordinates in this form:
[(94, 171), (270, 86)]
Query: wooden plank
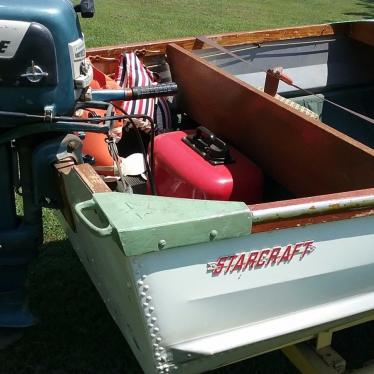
[(92, 180), (157, 48), (304, 155), (308, 361), (86, 173), (362, 32), (324, 339)]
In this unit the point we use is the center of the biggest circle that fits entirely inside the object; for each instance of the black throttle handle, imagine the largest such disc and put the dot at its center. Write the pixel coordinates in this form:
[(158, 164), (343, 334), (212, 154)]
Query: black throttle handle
[(135, 93), (163, 89)]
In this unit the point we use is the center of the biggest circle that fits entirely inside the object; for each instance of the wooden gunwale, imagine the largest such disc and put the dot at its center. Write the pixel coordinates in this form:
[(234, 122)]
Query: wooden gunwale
[(154, 52), (157, 48)]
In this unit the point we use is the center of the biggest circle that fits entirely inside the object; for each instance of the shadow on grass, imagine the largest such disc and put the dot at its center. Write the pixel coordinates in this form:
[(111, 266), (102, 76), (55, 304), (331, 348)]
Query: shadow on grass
[(75, 332), (367, 11), (77, 335), (356, 345)]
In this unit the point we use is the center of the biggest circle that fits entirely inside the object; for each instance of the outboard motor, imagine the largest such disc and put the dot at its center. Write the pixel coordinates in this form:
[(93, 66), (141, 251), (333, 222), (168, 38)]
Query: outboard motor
[(42, 57), (43, 71), (44, 79)]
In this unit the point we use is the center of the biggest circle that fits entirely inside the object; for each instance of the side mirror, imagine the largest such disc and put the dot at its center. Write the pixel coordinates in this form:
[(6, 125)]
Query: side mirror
[(86, 8)]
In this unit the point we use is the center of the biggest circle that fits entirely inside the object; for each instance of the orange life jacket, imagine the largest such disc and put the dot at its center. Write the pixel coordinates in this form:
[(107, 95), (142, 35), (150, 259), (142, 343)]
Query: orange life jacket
[(94, 144)]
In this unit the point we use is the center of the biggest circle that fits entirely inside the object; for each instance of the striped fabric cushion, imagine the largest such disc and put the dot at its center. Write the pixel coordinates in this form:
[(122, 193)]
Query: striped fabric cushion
[(131, 72), (163, 115)]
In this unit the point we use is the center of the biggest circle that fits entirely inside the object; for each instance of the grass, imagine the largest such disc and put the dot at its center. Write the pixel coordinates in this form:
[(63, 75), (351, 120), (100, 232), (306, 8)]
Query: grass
[(75, 332), (120, 21)]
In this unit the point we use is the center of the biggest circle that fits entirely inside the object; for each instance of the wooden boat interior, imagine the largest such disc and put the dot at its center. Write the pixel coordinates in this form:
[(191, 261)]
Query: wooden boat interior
[(300, 155), (337, 67)]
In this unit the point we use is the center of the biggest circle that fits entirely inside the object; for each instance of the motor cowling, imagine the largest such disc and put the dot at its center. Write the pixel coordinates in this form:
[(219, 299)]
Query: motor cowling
[(42, 57)]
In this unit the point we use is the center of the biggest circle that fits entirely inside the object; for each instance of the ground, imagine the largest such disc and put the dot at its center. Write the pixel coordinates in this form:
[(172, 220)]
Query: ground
[(119, 21), (75, 332)]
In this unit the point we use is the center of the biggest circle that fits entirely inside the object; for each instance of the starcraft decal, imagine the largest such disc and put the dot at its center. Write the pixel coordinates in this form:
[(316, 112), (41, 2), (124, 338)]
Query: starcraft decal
[(261, 258)]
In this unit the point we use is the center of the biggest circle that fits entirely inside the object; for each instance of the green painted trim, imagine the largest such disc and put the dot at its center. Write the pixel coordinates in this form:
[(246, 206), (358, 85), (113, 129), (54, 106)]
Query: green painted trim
[(143, 223)]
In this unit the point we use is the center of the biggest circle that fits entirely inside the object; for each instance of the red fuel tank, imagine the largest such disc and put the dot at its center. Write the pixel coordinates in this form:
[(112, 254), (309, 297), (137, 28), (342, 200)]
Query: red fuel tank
[(197, 165)]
